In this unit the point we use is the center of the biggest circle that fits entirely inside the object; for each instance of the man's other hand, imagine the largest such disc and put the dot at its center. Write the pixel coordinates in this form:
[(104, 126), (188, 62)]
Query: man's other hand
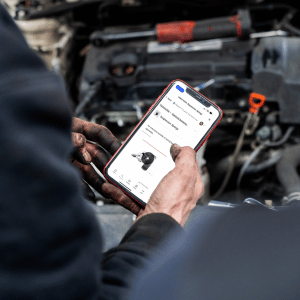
[(95, 143), (178, 192)]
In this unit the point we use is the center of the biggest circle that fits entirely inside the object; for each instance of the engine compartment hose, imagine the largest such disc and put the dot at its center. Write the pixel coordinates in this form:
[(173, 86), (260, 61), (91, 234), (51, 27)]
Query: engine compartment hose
[(87, 98), (257, 151), (236, 152), (245, 166), (283, 139), (286, 169)]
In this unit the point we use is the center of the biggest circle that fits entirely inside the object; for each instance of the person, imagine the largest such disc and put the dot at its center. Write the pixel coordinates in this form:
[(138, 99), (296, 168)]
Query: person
[(50, 241)]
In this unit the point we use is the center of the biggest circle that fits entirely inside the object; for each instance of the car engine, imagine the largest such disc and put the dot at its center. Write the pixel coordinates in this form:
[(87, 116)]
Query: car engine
[(116, 57)]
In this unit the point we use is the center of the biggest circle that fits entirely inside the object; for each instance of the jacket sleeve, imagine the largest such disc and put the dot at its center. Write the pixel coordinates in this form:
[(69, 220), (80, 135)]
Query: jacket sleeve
[(248, 252), (50, 245), (134, 251)]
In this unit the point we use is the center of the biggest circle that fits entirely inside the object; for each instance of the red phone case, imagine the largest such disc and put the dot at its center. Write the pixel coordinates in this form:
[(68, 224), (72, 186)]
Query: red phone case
[(207, 136)]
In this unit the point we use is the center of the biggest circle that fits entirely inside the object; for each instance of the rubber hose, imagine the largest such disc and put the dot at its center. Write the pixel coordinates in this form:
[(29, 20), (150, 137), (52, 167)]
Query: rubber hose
[(286, 169)]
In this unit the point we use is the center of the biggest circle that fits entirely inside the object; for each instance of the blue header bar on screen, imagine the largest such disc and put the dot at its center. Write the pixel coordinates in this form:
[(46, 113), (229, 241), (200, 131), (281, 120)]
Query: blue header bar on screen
[(179, 88)]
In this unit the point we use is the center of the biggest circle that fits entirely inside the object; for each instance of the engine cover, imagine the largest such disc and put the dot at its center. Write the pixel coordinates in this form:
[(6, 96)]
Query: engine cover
[(140, 70)]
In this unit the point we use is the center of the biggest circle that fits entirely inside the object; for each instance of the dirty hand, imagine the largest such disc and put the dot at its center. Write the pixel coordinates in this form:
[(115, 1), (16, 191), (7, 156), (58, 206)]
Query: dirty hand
[(178, 192), (83, 133)]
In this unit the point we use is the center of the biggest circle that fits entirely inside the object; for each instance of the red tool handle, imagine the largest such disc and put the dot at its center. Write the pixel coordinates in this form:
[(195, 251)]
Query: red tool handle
[(175, 32), (185, 31)]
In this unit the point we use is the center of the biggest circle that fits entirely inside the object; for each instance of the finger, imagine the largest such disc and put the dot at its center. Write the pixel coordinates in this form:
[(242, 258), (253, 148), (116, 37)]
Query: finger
[(185, 159), (81, 154), (100, 157), (121, 198), (88, 191), (97, 133), (181, 154), (76, 154), (91, 177)]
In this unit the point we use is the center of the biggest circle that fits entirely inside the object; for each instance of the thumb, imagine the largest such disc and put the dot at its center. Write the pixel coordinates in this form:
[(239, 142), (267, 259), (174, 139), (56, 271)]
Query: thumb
[(184, 157), (175, 150)]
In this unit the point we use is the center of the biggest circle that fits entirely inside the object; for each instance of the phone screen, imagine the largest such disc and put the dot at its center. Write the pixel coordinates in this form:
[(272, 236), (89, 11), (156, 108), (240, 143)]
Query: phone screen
[(145, 158)]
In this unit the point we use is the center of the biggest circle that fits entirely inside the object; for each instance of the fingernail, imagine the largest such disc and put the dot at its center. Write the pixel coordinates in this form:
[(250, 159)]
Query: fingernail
[(173, 147), (87, 157)]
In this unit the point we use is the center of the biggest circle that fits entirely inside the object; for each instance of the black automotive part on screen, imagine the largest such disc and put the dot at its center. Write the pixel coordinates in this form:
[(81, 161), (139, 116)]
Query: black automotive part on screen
[(147, 158)]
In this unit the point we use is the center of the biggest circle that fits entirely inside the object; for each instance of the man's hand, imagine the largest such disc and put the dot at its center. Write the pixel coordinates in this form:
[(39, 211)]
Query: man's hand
[(178, 192), (83, 133)]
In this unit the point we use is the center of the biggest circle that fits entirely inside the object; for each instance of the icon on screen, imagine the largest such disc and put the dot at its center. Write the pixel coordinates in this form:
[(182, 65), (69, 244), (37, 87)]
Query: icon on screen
[(157, 113), (179, 88), (201, 123)]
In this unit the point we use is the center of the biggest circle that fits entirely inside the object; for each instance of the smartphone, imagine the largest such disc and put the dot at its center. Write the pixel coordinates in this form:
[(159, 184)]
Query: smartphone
[(180, 115)]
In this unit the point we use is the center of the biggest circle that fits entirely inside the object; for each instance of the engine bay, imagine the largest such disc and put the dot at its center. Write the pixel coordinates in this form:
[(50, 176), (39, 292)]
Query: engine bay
[(117, 56)]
